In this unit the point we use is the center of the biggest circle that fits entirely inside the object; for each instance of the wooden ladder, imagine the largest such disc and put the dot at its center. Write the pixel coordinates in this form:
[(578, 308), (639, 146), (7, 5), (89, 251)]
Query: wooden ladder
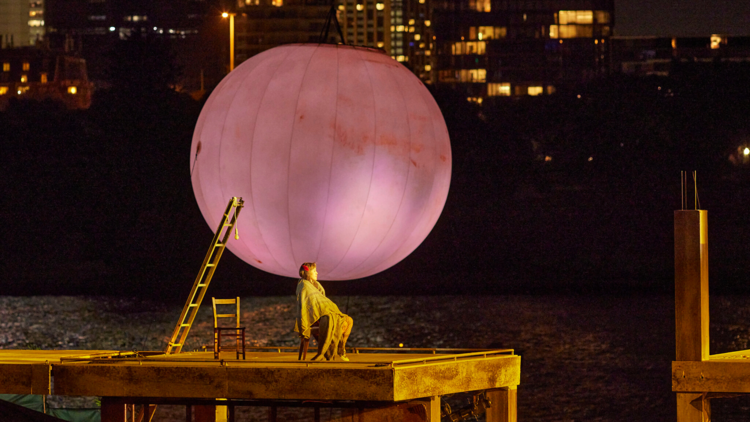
[(204, 275)]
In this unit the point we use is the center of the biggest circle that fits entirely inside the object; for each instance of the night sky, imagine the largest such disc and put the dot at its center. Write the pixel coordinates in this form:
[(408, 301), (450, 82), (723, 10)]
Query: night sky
[(682, 18)]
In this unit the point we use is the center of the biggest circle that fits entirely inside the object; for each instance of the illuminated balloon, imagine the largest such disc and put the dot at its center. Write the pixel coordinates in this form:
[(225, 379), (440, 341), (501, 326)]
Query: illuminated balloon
[(340, 153)]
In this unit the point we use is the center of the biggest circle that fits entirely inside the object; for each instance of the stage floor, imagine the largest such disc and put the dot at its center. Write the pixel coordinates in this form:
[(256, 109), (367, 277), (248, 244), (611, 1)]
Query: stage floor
[(384, 375)]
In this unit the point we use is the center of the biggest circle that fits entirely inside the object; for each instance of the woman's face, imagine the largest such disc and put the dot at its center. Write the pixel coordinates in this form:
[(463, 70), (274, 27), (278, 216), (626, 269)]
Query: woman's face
[(314, 274)]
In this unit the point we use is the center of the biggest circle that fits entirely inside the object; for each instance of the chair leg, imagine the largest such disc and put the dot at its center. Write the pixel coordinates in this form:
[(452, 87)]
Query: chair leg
[(304, 343)]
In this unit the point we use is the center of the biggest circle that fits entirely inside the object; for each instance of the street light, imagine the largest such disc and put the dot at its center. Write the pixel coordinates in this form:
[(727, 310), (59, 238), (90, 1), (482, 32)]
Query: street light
[(231, 38)]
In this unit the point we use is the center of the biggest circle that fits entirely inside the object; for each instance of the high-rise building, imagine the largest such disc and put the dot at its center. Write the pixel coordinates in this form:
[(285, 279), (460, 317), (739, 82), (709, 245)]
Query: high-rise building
[(36, 21), (263, 24), (400, 27), (520, 47), (14, 23)]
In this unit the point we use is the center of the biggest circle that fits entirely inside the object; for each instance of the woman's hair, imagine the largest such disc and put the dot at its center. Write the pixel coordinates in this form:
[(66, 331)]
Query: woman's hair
[(305, 268)]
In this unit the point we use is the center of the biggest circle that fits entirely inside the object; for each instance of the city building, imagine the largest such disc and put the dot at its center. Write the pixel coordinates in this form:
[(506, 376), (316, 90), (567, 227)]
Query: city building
[(402, 28), (37, 74), (91, 28), (644, 56), (263, 24), (500, 48), (21, 22)]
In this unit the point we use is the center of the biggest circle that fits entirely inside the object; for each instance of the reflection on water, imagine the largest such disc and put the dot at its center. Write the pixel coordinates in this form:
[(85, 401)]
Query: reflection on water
[(583, 358)]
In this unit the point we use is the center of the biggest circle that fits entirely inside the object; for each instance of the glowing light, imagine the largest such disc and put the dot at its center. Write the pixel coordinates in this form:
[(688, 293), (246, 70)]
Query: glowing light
[(427, 67), (417, 37), (360, 7), (547, 158), (591, 158), (112, 29), (342, 158), (72, 90), (24, 79), (401, 345), (225, 15), (427, 23), (3, 90), (380, 6), (746, 151)]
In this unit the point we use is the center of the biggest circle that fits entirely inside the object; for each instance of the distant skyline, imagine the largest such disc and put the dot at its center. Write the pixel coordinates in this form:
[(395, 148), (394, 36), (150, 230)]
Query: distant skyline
[(682, 18)]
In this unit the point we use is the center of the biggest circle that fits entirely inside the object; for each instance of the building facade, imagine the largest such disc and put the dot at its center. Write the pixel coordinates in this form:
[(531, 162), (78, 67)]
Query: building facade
[(402, 28), (263, 24), (39, 75), (496, 48), (645, 56), (91, 29)]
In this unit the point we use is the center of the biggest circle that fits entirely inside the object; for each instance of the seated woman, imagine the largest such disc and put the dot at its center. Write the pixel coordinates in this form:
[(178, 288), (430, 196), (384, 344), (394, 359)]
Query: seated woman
[(314, 307)]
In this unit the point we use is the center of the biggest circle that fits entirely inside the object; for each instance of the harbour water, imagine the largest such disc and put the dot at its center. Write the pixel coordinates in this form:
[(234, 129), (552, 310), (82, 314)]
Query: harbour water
[(584, 358)]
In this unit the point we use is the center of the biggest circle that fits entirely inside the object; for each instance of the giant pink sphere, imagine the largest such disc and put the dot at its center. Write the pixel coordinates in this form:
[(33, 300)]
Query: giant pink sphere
[(340, 153)]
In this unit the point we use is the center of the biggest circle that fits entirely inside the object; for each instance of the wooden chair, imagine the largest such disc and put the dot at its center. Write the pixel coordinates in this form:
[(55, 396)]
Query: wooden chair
[(305, 342), (237, 332)]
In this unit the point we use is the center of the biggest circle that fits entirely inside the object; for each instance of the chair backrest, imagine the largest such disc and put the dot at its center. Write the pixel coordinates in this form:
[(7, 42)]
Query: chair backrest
[(236, 315)]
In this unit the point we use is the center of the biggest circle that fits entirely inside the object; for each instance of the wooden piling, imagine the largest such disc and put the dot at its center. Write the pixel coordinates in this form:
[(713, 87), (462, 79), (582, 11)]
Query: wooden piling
[(691, 303)]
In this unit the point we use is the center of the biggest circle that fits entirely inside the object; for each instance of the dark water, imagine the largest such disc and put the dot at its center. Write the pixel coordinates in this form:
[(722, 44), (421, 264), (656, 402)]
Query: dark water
[(602, 358)]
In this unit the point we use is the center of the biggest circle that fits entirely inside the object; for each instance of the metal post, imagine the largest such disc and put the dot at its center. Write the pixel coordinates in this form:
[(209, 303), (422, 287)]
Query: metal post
[(231, 42)]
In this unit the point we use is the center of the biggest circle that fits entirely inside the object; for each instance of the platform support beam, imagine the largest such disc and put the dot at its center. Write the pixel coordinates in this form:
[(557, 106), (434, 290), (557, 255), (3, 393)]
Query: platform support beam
[(433, 409), (503, 406), (691, 284), (692, 407), (691, 303)]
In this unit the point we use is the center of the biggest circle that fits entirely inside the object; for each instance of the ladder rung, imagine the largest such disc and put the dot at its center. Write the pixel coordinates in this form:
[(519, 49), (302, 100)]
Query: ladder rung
[(184, 325), (175, 344), (218, 244), (193, 305), (201, 285), (210, 265)]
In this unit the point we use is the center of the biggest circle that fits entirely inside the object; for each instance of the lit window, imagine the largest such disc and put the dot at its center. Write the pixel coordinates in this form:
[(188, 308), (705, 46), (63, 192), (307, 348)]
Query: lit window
[(400, 58), (36, 22), (360, 7), (380, 44), (498, 90), (472, 75), (470, 47), (400, 28), (475, 100), (277, 3), (551, 89), (3, 90), (535, 90), (43, 78), (6, 67), (427, 52), (22, 90), (24, 79), (72, 90), (421, 1), (341, 7), (576, 16), (411, 21), (716, 41), (25, 66), (602, 16), (427, 68), (426, 23), (411, 29), (393, 28), (553, 32), (98, 17), (380, 6), (480, 5), (417, 37)]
